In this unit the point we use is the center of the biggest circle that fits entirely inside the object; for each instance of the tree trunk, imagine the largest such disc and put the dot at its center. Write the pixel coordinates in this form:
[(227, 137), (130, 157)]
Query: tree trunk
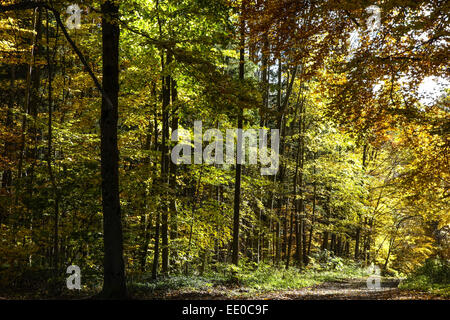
[(237, 186), (165, 168), (313, 215), (173, 168), (156, 247), (147, 220), (325, 241), (295, 211), (358, 234), (49, 154), (114, 271)]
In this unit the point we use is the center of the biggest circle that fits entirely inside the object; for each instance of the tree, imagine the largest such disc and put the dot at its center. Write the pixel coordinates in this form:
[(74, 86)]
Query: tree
[(114, 269), (237, 184)]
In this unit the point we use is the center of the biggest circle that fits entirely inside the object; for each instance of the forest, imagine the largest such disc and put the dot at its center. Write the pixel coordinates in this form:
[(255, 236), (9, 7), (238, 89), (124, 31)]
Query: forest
[(352, 99)]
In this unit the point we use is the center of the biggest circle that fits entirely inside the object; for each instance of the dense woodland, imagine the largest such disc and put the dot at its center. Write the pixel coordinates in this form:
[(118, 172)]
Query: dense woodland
[(87, 115)]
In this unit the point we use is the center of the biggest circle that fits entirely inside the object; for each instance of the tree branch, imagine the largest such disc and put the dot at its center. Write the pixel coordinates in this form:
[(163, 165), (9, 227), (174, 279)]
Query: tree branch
[(33, 5)]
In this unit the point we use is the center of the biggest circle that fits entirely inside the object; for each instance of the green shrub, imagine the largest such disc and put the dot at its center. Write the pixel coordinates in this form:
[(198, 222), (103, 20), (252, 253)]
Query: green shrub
[(433, 276)]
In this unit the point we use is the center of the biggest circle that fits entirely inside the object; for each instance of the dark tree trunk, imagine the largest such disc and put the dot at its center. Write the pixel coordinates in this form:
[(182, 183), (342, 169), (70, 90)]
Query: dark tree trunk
[(173, 168), (313, 215), (156, 247), (339, 246), (165, 169), (265, 79), (285, 237), (49, 153), (147, 220), (358, 229), (325, 241), (237, 186), (114, 270), (280, 171), (277, 243), (358, 233), (147, 225), (333, 243), (7, 174), (302, 202), (295, 212)]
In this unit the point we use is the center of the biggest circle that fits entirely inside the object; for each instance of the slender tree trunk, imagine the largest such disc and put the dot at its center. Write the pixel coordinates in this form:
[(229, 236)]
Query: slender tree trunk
[(277, 243), (313, 215), (325, 241), (295, 211), (7, 174), (265, 79), (237, 186), (194, 207), (147, 221), (285, 231), (280, 171), (49, 152), (358, 228), (304, 257), (156, 247), (165, 169), (33, 103), (114, 270), (358, 234), (339, 246), (333, 243), (391, 244), (173, 167)]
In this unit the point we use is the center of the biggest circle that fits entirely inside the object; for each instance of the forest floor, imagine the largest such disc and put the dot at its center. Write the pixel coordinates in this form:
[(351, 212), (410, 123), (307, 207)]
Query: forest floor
[(351, 288), (346, 289)]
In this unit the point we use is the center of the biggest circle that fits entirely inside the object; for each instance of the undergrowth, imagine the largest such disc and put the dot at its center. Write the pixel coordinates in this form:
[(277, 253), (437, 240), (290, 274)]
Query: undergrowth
[(263, 277), (433, 276)]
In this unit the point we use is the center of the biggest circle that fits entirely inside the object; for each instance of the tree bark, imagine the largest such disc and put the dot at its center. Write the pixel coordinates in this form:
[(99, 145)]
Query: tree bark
[(313, 214), (237, 186), (165, 168), (114, 270), (173, 168), (49, 152)]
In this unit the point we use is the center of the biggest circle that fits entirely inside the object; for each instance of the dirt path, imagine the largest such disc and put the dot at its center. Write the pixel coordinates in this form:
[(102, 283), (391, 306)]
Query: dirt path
[(349, 289), (354, 289)]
